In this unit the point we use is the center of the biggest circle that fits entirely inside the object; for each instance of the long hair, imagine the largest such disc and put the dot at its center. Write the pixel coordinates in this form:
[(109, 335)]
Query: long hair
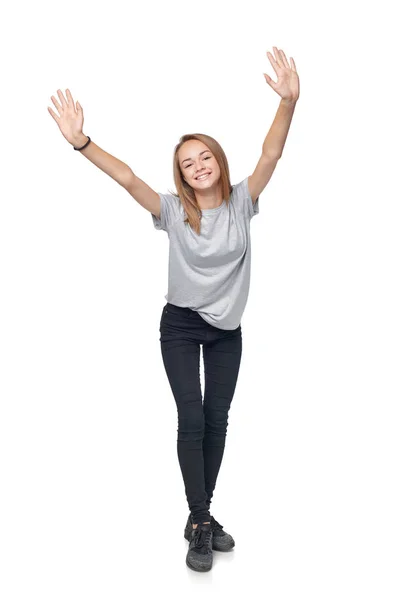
[(185, 192)]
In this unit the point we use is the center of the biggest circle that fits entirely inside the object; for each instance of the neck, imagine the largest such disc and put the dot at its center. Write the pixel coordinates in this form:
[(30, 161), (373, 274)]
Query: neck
[(210, 198)]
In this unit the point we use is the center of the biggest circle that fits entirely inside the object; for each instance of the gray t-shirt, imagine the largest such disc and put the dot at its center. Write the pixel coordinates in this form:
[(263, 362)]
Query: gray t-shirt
[(210, 272)]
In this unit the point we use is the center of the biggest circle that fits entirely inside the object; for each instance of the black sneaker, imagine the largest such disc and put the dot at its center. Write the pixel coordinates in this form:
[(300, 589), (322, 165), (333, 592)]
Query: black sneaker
[(200, 556), (221, 540)]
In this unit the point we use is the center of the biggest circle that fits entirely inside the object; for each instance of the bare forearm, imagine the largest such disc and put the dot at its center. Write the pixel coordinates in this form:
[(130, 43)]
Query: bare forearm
[(275, 141), (115, 168)]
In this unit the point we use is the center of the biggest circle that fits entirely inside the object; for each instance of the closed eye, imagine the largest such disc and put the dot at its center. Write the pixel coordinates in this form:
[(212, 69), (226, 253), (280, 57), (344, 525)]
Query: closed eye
[(190, 164)]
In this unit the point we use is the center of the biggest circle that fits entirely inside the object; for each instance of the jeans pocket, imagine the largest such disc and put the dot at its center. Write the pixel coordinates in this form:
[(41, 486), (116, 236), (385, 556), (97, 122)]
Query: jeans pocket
[(178, 311)]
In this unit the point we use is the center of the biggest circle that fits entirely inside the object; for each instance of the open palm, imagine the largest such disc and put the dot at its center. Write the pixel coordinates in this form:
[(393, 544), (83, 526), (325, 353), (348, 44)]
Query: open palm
[(287, 86), (69, 120)]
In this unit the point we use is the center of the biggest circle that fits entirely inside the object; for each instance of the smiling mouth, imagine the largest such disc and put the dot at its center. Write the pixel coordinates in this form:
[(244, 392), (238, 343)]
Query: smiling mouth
[(201, 177)]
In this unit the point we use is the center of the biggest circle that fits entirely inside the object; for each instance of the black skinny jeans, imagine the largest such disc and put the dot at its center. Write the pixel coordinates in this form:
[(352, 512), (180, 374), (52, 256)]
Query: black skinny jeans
[(202, 425)]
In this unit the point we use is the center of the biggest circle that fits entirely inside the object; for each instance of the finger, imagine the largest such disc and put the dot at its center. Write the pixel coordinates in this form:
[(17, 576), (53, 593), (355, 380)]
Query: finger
[(63, 100), (53, 114), (284, 59), (293, 65), (70, 99), (273, 62), (269, 81), (57, 105), (278, 57)]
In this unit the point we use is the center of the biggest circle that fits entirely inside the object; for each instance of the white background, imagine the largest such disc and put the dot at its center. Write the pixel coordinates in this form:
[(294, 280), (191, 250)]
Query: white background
[(92, 504)]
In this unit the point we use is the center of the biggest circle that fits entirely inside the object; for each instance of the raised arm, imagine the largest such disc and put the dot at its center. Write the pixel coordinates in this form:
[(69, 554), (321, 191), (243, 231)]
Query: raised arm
[(288, 88), (70, 123)]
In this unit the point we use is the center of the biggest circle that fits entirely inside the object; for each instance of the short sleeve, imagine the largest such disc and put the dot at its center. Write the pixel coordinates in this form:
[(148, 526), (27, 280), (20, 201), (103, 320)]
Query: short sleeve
[(244, 200), (169, 212)]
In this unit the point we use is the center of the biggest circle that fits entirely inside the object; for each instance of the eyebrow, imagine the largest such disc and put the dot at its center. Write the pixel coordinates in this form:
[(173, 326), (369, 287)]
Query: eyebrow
[(200, 153)]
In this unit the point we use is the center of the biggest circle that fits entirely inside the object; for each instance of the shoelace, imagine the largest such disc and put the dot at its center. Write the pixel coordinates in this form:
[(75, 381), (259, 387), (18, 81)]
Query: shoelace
[(215, 525), (202, 537)]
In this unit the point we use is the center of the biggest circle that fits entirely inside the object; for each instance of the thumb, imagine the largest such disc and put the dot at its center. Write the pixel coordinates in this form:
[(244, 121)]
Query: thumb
[(270, 81), (78, 106)]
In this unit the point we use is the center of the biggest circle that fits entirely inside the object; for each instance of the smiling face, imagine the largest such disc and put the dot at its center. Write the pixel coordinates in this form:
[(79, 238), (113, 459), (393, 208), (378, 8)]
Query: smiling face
[(195, 159)]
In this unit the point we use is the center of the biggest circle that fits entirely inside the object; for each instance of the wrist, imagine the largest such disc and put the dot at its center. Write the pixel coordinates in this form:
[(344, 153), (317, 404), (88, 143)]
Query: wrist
[(288, 102), (79, 140)]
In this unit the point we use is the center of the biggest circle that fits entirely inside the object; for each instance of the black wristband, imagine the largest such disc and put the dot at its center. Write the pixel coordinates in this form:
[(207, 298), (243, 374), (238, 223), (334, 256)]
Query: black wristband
[(84, 145)]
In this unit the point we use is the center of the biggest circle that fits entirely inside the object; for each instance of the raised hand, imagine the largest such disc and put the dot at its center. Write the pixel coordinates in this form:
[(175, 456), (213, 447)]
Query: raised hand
[(288, 85), (70, 120)]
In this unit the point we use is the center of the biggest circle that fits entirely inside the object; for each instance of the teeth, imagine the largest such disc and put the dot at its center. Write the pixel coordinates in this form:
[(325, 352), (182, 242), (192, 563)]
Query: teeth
[(203, 176)]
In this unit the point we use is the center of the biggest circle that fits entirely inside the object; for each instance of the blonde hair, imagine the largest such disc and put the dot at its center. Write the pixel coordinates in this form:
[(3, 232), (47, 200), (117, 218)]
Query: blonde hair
[(185, 192)]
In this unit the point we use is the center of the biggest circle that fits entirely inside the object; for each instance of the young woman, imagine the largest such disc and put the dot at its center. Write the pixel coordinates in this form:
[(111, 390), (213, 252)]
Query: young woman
[(208, 224)]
